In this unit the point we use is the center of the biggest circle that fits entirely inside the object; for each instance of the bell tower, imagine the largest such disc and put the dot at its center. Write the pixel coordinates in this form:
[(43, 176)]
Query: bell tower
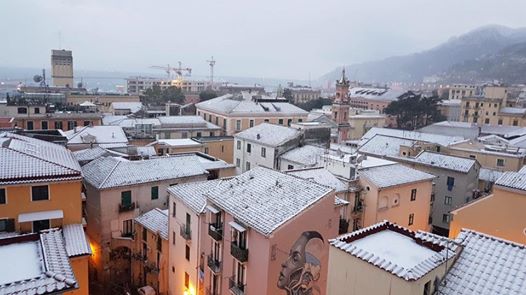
[(341, 106)]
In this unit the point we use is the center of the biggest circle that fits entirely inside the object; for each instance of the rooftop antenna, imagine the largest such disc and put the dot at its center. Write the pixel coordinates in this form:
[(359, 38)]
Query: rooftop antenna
[(211, 62)]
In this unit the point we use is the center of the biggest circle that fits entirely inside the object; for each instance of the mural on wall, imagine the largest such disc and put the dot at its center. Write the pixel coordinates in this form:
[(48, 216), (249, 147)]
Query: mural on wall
[(300, 272)]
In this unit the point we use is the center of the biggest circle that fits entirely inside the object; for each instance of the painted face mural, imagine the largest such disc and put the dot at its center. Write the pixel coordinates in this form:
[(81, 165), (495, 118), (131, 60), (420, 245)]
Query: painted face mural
[(301, 270)]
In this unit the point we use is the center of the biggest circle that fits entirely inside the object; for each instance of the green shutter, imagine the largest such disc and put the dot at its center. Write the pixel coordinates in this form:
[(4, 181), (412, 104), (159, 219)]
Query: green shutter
[(126, 198), (155, 192)]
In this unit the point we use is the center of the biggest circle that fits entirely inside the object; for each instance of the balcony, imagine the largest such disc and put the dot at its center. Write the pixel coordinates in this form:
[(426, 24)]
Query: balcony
[(127, 207), (214, 264), (239, 253), (358, 208), (235, 287), (186, 232), (215, 230)]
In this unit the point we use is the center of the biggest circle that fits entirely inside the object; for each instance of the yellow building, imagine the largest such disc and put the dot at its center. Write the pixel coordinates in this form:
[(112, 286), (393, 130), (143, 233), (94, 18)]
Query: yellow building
[(150, 251), (362, 121), (500, 214), (40, 189), (221, 147)]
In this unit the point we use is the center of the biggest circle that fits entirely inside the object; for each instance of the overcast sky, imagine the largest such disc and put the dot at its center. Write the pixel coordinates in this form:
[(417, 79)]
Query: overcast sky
[(266, 38)]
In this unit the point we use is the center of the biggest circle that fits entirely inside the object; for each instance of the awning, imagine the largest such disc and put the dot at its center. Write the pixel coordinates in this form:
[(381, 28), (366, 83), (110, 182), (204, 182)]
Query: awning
[(40, 215), (237, 226), (212, 209)]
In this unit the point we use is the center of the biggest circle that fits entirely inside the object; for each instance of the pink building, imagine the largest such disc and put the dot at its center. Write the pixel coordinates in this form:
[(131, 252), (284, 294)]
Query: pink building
[(268, 234)]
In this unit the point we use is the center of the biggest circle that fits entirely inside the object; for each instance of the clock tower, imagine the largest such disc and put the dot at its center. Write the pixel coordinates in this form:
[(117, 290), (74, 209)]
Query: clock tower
[(340, 108)]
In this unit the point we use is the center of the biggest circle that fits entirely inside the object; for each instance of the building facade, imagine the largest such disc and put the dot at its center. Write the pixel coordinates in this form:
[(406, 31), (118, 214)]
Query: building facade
[(62, 68)]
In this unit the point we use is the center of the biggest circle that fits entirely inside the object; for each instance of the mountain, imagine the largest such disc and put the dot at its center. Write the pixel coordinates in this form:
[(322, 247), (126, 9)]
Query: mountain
[(479, 43)]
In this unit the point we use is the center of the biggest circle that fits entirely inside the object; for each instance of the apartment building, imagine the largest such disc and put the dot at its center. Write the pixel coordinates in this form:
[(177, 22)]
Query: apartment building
[(307, 156), (40, 189), (263, 144), (221, 147), (267, 241), (386, 258), (456, 184), (302, 94), (118, 191), (459, 91), (505, 206), (62, 68), (189, 228), (149, 253), (235, 113), (372, 98), (450, 109), (137, 85)]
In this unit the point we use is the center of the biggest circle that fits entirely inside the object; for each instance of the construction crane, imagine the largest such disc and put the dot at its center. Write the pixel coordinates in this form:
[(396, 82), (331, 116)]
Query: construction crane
[(211, 62), (173, 72)]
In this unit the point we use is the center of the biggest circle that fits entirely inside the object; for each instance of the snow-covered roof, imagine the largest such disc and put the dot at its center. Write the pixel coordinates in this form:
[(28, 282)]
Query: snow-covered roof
[(36, 264), (111, 172), (96, 135), (375, 93), (76, 241), (489, 175), (413, 135), (406, 254), (90, 154), (192, 194), (134, 107), (244, 105), (180, 142), (519, 141), (381, 145), (308, 155), (264, 199), (392, 175), (168, 122), (512, 111), (269, 134), (155, 220), (26, 159), (515, 180), (454, 163), (321, 176), (87, 104), (486, 265), (523, 170)]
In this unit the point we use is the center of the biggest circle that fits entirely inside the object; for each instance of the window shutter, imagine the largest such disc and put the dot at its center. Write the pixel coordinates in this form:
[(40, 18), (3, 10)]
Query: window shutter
[(10, 225)]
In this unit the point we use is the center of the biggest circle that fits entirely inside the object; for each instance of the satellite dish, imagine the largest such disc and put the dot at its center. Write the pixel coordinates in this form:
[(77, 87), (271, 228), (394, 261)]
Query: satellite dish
[(37, 78)]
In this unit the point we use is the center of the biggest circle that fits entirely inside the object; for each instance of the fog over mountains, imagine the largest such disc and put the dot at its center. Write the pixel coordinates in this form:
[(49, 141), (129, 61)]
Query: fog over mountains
[(484, 54)]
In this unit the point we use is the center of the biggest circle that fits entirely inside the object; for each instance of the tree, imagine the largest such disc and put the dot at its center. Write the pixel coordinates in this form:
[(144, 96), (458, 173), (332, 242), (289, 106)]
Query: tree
[(413, 111), (315, 104), (155, 95), (287, 93), (207, 94)]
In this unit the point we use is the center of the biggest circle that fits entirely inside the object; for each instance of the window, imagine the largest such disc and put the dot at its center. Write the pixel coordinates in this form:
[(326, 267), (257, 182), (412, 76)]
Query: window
[(445, 218), (39, 193), (58, 124), (486, 121), (240, 274), (3, 199), (249, 148), (290, 167), (155, 192), (247, 166), (515, 122), (411, 218), (413, 194), (289, 121), (159, 244), (300, 120), (87, 123), (251, 123), (39, 225), (263, 152), (173, 238), (72, 124), (127, 227), (224, 123), (280, 121), (450, 183), (30, 125), (44, 125), (238, 163), (500, 162), (184, 135), (238, 125), (186, 280), (173, 209), (472, 156), (266, 120), (499, 122), (22, 110), (207, 150), (448, 200), (144, 234), (7, 225), (187, 252), (238, 144), (126, 198), (199, 134)]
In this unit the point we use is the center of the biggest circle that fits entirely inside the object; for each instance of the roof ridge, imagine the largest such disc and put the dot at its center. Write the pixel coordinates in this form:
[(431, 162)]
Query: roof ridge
[(493, 238), (109, 174)]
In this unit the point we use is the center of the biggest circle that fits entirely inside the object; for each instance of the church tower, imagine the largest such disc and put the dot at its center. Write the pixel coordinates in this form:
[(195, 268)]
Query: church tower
[(341, 106)]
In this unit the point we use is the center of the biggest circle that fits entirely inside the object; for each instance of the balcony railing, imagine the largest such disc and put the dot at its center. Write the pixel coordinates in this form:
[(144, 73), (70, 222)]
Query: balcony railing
[(215, 230), (214, 264), (186, 232), (127, 207), (239, 253), (236, 287)]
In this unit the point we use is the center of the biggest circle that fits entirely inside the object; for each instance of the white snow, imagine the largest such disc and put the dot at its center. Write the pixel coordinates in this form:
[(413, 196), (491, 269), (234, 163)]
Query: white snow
[(178, 142), (396, 248), (22, 261)]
